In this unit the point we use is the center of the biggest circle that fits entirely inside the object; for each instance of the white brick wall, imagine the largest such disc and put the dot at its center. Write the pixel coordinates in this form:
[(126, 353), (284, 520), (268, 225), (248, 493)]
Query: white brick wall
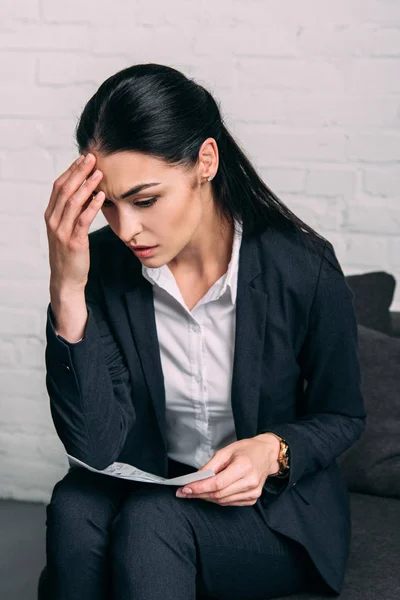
[(310, 88)]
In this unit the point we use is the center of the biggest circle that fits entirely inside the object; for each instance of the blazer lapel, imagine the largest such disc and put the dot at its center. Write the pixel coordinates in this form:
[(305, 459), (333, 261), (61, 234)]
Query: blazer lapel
[(129, 299), (251, 311)]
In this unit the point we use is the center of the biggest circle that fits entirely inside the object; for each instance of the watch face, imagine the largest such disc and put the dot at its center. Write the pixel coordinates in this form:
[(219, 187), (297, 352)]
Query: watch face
[(285, 457)]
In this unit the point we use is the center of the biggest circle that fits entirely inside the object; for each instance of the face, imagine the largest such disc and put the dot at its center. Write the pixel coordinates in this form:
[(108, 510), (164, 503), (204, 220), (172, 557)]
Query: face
[(168, 213)]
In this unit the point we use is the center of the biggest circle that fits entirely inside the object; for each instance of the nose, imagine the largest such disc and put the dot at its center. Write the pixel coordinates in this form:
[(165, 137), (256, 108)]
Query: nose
[(127, 230)]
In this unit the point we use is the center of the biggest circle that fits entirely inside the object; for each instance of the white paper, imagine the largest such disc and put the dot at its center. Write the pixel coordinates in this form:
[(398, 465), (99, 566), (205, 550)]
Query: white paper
[(125, 471)]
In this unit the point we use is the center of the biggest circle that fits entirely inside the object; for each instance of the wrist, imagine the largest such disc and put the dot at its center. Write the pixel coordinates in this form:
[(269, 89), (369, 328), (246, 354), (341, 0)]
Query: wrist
[(273, 443), (283, 458), (62, 293)]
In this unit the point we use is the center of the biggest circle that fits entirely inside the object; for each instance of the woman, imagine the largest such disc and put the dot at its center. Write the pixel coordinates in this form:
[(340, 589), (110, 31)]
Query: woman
[(231, 345)]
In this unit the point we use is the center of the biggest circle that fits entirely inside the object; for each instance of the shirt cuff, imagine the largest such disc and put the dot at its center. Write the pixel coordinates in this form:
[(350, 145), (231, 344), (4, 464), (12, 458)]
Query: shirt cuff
[(52, 321)]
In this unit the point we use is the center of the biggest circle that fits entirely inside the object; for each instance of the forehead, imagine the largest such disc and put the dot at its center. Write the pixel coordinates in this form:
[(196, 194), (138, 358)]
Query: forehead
[(132, 164), (125, 170)]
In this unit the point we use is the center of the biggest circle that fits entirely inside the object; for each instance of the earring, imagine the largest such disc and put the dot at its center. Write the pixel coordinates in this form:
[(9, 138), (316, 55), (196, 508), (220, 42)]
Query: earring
[(209, 178)]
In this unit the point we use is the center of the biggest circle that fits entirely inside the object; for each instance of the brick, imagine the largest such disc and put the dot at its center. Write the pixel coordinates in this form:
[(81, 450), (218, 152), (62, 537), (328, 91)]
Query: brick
[(16, 294), (17, 134), (18, 322), (284, 179), (77, 69), (310, 109), (280, 41), (374, 220), (26, 415), (57, 134), (322, 214), (257, 12), (30, 101), (30, 351), (47, 37), (373, 147), (23, 10), (23, 382), (334, 217), (28, 447), (29, 480), (29, 165), (29, 265), (369, 76), (8, 355), (19, 232), (164, 45), (271, 145), (330, 182), (382, 182), (75, 12), (217, 75), (204, 13), (247, 105), (17, 66), (394, 254), (25, 198), (296, 74), (368, 251), (351, 40)]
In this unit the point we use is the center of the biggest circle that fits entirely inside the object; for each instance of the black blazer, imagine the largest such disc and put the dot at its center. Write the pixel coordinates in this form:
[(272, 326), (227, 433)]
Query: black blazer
[(296, 373)]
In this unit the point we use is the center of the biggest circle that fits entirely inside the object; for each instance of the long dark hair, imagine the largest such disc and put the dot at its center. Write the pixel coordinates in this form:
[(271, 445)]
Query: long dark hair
[(156, 109)]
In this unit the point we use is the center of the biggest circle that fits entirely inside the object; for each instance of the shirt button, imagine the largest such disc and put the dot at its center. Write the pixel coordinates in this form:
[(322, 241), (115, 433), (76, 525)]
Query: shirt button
[(195, 328), (198, 378), (66, 367)]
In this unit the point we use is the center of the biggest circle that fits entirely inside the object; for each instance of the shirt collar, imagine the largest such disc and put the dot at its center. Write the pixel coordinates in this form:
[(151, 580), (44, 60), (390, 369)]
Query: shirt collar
[(233, 267), (152, 274)]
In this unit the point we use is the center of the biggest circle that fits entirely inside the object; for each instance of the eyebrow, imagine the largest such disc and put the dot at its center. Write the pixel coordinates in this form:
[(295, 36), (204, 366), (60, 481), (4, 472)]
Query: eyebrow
[(135, 190), (138, 188)]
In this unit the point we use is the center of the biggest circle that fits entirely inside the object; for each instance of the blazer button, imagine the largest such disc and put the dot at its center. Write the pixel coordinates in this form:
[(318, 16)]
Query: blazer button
[(66, 367), (294, 484)]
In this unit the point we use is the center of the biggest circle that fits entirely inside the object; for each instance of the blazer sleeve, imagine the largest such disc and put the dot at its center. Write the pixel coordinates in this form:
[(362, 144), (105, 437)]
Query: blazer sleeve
[(333, 413), (89, 386)]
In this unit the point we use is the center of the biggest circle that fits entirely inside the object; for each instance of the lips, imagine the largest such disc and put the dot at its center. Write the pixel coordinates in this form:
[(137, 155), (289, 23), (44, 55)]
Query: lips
[(141, 247)]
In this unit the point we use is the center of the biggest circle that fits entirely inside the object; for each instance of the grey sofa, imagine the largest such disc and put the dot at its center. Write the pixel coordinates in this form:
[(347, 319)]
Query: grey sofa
[(372, 466)]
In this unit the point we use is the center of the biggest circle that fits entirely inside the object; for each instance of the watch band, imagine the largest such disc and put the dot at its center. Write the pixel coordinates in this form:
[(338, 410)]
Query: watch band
[(283, 459)]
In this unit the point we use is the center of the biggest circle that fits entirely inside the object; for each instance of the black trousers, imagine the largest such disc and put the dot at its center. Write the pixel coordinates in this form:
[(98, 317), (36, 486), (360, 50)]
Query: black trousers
[(112, 539)]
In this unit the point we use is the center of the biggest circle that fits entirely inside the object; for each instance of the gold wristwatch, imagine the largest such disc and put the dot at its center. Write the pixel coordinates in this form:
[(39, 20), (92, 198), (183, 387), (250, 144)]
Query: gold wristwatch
[(283, 459)]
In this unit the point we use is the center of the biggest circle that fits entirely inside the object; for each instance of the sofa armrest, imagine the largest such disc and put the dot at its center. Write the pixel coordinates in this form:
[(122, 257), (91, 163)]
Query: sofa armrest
[(395, 318)]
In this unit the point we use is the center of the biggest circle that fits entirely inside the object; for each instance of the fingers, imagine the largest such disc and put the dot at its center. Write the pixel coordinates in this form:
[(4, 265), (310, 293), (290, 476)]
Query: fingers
[(79, 207), (245, 498), (70, 193), (59, 182), (243, 486), (87, 216), (241, 492), (70, 184), (70, 169)]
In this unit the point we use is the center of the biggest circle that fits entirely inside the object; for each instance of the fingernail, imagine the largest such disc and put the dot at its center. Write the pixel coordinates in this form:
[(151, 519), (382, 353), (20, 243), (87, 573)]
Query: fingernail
[(179, 494), (88, 158), (187, 491)]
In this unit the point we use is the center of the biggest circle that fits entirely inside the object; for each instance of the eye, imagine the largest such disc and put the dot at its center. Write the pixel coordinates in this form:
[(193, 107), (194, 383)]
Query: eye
[(147, 203), (144, 204)]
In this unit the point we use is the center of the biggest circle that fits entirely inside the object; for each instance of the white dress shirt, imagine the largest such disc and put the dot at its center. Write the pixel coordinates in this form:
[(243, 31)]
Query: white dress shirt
[(196, 350)]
